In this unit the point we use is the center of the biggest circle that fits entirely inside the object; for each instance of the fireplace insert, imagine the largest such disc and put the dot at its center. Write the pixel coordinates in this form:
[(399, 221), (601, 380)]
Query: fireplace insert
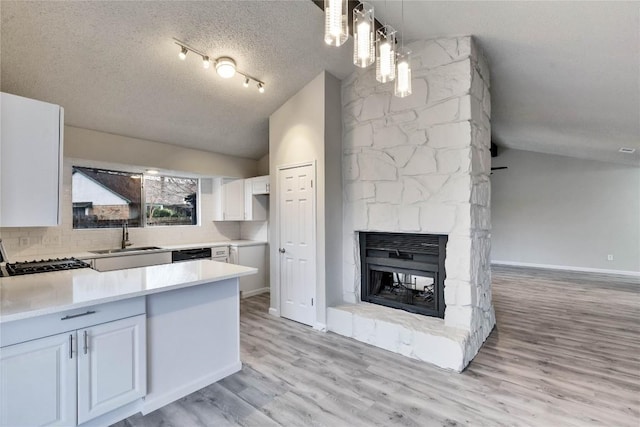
[(404, 271)]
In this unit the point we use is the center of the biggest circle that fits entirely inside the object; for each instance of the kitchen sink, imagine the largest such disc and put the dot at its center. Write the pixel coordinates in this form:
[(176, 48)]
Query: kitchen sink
[(118, 251)]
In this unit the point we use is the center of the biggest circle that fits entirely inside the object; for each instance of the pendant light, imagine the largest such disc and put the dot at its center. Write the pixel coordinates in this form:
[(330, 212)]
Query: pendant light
[(403, 70), (336, 29), (363, 35), (403, 75), (386, 54)]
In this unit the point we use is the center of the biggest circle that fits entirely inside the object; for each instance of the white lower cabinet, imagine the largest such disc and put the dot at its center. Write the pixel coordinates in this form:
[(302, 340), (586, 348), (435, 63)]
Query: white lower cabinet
[(111, 366), (72, 377), (251, 256), (38, 383)]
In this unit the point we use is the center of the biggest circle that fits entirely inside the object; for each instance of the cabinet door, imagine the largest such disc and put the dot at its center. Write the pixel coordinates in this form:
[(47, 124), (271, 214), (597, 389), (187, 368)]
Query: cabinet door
[(30, 160), (233, 200), (252, 256), (260, 185), (112, 367), (38, 382)]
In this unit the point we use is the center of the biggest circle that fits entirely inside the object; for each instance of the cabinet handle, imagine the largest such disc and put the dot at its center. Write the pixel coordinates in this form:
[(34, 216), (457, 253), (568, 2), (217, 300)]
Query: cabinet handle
[(73, 316), (282, 250), (70, 346), (86, 342)]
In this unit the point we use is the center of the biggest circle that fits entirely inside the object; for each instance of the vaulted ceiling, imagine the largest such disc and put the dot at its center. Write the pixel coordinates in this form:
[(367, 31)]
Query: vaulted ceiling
[(565, 75)]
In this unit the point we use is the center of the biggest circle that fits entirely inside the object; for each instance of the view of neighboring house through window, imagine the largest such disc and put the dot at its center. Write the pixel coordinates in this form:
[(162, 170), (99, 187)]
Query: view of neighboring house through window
[(170, 200), (107, 199)]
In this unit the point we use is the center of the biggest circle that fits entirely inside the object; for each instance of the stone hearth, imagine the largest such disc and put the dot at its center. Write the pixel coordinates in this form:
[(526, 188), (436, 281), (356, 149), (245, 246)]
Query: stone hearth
[(421, 164)]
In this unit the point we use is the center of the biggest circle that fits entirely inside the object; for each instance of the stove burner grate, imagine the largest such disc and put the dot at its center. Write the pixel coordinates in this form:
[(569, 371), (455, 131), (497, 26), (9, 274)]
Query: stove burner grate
[(45, 266)]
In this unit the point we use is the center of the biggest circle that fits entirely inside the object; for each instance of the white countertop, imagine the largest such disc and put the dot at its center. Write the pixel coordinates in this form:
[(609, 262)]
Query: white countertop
[(22, 297), (162, 248)]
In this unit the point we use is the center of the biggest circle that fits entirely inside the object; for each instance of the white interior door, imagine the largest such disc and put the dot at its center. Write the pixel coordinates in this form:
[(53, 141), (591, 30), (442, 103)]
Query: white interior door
[(297, 243)]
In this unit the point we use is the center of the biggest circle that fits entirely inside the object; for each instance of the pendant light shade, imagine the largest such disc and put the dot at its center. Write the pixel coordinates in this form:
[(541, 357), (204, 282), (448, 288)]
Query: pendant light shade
[(386, 54), (336, 30), (363, 35), (403, 75)]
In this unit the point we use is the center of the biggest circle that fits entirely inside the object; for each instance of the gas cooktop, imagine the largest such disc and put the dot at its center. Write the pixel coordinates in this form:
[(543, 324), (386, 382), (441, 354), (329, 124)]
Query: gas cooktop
[(44, 266)]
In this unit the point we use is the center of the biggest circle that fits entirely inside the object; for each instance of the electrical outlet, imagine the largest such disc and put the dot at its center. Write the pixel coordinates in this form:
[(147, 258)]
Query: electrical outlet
[(610, 257), (24, 241)]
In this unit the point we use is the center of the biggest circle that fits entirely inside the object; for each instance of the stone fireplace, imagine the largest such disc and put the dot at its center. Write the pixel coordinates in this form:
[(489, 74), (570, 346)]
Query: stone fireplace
[(420, 165)]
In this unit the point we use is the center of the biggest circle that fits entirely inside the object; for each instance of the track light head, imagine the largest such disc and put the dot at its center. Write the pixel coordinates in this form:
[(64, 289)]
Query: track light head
[(246, 82), (226, 67), (183, 53), (206, 62), (260, 87)]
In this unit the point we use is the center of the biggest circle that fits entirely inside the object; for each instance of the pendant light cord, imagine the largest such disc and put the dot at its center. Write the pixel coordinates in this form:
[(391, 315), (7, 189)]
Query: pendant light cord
[(402, 14)]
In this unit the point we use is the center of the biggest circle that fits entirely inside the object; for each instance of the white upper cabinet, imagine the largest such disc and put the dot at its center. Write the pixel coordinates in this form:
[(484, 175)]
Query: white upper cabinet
[(229, 199), (241, 199), (256, 205), (260, 184), (30, 162)]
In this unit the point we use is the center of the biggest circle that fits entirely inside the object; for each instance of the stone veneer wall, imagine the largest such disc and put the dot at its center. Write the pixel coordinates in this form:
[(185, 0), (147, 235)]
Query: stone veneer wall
[(421, 164)]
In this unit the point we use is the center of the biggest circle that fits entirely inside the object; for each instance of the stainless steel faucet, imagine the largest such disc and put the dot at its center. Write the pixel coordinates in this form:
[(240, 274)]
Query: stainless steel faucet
[(125, 235)]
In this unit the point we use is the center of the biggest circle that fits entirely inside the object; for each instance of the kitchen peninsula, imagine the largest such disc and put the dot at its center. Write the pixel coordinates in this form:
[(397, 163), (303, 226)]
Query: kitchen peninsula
[(82, 347)]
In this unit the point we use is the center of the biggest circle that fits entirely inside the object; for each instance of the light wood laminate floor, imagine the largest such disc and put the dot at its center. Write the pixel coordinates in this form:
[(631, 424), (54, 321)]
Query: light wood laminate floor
[(565, 352)]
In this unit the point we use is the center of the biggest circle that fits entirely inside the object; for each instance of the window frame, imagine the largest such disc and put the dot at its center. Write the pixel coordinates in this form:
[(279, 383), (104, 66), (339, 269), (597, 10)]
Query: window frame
[(132, 170)]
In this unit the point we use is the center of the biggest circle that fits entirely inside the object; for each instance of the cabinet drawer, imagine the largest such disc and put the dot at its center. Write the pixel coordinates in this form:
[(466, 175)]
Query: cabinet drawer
[(69, 320)]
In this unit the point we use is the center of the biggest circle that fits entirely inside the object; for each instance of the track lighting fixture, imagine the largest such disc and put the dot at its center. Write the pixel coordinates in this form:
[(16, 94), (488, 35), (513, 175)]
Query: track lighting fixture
[(225, 66), (183, 53)]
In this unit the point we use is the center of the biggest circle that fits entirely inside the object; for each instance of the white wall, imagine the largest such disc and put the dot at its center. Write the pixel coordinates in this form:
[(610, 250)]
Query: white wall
[(298, 134), (562, 211), (106, 147), (263, 165)]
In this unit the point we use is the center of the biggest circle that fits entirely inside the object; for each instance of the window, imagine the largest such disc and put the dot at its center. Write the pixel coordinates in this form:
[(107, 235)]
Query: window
[(107, 199), (170, 200)]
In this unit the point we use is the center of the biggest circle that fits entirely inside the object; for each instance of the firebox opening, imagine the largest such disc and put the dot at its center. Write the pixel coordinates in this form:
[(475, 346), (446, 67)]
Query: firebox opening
[(404, 271)]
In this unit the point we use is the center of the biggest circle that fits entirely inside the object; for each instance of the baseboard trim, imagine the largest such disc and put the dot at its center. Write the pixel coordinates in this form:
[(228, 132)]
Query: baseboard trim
[(115, 416), (322, 327), (567, 268), (175, 394), (247, 294), (274, 311)]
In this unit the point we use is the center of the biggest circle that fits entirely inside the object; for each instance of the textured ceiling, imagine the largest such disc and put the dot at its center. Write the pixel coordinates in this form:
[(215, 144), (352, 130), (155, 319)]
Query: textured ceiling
[(114, 67), (565, 75)]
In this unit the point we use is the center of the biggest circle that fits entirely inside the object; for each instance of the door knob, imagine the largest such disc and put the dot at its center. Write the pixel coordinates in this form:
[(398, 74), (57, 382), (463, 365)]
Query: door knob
[(282, 250)]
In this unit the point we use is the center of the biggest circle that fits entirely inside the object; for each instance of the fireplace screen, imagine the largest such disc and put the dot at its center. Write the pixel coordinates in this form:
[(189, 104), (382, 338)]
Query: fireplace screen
[(404, 271), (413, 288)]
